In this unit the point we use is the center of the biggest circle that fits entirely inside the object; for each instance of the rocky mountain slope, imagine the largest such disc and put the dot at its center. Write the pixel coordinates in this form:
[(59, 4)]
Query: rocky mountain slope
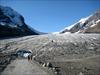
[(13, 24), (69, 54), (90, 24)]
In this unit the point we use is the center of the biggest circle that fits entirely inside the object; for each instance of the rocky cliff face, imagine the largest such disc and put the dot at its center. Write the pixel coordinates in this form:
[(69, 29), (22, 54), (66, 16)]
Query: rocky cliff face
[(90, 24), (12, 23)]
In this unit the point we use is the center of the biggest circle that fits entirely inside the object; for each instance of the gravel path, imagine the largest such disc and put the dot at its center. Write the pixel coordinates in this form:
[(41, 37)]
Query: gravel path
[(23, 67)]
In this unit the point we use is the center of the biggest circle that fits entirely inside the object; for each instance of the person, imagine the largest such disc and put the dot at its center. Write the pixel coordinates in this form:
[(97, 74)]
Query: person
[(30, 57)]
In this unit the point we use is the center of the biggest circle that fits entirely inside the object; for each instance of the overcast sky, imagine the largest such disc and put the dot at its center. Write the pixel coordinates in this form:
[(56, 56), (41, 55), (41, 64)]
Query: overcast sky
[(52, 15)]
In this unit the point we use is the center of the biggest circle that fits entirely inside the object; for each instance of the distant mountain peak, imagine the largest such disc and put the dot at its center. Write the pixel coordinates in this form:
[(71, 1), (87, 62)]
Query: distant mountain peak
[(84, 24), (15, 17), (13, 24)]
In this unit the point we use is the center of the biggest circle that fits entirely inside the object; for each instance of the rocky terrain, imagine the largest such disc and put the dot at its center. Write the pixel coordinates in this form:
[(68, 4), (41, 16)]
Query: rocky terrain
[(13, 24), (26, 68), (62, 54), (90, 24)]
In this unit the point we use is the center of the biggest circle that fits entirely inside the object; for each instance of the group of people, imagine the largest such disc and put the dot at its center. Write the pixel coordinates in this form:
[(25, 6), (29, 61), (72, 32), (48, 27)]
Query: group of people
[(30, 57)]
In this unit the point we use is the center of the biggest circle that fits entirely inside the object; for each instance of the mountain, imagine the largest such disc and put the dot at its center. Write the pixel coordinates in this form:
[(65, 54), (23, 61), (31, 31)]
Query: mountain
[(13, 24), (90, 24)]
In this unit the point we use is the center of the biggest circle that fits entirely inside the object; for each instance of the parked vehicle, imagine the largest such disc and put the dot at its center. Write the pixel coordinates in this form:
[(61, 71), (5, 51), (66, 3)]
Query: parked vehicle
[(23, 53)]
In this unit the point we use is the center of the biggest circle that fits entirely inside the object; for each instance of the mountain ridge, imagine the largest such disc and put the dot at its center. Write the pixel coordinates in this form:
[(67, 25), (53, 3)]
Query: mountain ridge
[(85, 24), (13, 24)]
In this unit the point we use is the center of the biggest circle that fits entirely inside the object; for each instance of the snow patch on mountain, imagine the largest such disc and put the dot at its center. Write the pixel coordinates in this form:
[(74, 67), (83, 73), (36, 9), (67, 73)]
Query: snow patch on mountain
[(95, 23), (83, 20), (13, 15), (69, 27)]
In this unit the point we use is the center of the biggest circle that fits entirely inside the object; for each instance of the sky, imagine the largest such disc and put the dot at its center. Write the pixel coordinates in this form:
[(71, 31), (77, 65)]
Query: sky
[(52, 15)]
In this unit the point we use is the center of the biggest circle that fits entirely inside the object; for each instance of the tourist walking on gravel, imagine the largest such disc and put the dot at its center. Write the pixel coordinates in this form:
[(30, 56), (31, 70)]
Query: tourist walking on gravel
[(29, 57)]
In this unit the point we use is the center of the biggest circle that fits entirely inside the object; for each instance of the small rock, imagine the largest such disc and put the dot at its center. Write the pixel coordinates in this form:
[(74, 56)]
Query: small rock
[(44, 65), (81, 73)]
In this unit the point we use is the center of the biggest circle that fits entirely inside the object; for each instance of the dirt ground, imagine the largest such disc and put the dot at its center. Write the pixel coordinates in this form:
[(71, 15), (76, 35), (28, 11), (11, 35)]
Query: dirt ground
[(23, 67)]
